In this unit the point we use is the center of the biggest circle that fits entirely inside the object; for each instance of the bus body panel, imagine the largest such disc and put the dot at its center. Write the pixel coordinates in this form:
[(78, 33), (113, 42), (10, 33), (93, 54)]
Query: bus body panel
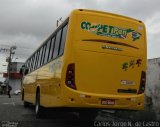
[(29, 86), (95, 76), (104, 60), (102, 64), (49, 78), (79, 99), (112, 72)]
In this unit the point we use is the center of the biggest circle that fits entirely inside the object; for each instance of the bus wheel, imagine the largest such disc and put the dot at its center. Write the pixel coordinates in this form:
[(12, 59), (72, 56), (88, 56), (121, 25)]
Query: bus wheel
[(22, 97), (26, 104), (38, 108)]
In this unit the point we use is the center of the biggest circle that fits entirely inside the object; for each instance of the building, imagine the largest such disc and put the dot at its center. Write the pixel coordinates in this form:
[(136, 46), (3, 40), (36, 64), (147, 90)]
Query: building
[(15, 76), (153, 82)]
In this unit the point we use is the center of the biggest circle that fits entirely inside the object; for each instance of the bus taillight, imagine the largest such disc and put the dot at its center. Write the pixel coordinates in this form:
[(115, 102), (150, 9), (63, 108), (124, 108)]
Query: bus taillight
[(70, 76), (142, 83)]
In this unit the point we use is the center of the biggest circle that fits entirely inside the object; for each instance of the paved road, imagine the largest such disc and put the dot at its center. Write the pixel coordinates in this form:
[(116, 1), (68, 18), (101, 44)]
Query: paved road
[(12, 112)]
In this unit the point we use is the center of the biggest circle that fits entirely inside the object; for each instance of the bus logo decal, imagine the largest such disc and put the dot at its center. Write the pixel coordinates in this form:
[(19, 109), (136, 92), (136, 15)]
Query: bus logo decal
[(111, 48), (109, 31)]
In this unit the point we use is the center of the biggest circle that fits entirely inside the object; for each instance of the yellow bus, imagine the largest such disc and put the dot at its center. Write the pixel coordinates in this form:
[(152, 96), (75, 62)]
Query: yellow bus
[(94, 60)]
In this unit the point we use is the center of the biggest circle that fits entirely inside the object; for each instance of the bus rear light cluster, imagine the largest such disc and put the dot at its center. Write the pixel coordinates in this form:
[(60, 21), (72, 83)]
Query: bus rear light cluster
[(142, 83), (70, 76)]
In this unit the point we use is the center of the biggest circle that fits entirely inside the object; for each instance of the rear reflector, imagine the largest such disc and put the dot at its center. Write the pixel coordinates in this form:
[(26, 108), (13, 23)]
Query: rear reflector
[(127, 91), (70, 76), (142, 83)]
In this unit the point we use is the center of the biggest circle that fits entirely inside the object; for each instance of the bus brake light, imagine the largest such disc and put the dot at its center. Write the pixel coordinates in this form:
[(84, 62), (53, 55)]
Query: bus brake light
[(142, 83), (70, 76)]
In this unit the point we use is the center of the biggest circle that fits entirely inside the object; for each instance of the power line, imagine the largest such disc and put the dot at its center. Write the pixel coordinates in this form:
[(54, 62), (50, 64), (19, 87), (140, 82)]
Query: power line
[(4, 45), (21, 54), (4, 50), (27, 48), (18, 47)]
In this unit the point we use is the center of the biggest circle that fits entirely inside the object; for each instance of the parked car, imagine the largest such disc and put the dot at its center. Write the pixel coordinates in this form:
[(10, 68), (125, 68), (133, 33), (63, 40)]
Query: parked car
[(17, 92)]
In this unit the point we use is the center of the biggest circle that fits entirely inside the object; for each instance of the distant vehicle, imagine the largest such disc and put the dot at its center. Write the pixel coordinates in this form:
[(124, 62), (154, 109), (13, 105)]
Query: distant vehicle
[(17, 92), (93, 60)]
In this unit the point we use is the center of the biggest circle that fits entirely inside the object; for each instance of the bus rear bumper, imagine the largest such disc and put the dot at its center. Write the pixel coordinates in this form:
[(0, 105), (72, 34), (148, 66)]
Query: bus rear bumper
[(90, 100)]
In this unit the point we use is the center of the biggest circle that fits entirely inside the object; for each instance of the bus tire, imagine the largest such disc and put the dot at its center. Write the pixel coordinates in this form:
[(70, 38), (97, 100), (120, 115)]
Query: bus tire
[(22, 95), (26, 104), (38, 108)]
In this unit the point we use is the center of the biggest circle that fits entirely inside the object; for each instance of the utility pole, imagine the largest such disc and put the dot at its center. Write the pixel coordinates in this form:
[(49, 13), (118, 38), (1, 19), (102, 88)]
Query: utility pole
[(9, 60)]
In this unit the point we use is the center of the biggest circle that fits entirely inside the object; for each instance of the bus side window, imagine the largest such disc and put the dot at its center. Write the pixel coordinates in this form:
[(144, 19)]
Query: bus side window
[(57, 42), (63, 39), (28, 65), (34, 60), (47, 52), (51, 48), (40, 56), (43, 55), (37, 59), (31, 64)]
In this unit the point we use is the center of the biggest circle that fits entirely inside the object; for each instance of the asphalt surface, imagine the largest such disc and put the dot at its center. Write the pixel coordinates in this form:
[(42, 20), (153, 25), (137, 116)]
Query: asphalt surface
[(13, 114)]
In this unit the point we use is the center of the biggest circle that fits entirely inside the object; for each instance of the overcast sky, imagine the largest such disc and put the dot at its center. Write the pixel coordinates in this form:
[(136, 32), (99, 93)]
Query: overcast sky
[(27, 23)]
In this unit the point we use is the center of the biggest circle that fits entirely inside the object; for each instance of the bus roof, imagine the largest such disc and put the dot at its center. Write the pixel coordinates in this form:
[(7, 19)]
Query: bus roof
[(108, 13)]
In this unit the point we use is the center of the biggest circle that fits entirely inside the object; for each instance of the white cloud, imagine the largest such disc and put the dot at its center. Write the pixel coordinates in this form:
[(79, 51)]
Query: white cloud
[(153, 24)]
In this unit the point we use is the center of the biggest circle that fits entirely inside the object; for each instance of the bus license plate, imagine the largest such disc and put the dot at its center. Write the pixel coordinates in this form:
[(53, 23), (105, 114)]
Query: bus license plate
[(108, 102)]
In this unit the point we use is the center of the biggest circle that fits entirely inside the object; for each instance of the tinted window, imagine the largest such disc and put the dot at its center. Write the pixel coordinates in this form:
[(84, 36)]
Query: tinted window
[(43, 55), (51, 49), (29, 65), (57, 42), (34, 60), (63, 39), (36, 65), (40, 56), (47, 52), (26, 64)]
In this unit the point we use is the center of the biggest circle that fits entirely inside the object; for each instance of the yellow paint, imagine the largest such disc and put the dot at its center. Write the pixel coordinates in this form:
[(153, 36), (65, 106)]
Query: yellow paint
[(98, 71)]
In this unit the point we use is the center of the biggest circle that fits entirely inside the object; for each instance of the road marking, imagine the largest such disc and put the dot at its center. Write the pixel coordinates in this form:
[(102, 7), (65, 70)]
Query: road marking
[(12, 103)]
